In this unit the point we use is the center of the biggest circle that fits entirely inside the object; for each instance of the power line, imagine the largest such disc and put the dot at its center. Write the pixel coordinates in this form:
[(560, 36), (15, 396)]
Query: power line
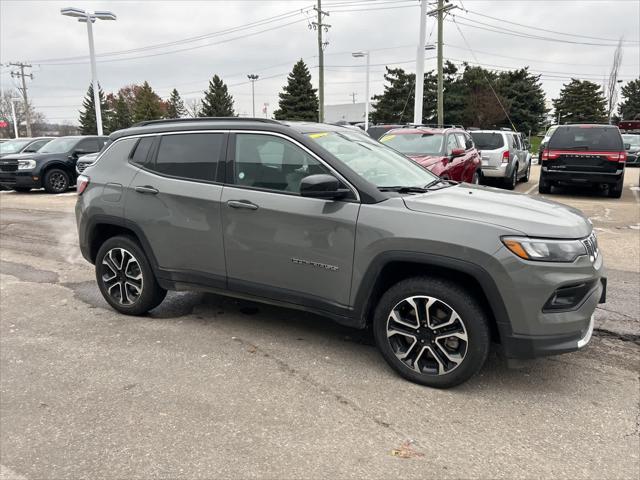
[(23, 76)]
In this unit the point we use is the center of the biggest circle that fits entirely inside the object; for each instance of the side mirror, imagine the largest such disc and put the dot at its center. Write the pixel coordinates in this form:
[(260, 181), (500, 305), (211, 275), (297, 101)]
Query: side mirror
[(457, 152), (322, 186), (627, 146)]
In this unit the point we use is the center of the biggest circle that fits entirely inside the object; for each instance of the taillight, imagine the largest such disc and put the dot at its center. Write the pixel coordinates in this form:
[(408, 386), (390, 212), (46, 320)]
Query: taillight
[(547, 155), (505, 157), (81, 184), (617, 157)]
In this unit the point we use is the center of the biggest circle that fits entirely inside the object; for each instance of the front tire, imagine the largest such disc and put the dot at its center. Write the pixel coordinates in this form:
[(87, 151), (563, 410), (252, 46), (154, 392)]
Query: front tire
[(125, 277), (431, 331), (56, 181)]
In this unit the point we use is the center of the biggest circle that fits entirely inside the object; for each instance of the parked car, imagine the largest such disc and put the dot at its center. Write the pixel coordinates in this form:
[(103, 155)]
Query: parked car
[(23, 145), (504, 156), (377, 131), (545, 140), (447, 152), (84, 161), (632, 146), (584, 155), (320, 218), (52, 167)]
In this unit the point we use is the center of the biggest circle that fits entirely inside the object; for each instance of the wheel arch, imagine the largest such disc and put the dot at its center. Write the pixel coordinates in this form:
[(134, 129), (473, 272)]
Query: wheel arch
[(57, 164), (392, 267)]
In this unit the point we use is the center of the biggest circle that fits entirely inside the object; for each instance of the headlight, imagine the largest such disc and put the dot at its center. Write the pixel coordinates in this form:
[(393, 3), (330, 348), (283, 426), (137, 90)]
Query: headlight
[(26, 164), (543, 250)]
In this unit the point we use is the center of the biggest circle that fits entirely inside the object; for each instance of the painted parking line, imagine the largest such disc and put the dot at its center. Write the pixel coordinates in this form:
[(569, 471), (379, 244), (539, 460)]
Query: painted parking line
[(531, 189)]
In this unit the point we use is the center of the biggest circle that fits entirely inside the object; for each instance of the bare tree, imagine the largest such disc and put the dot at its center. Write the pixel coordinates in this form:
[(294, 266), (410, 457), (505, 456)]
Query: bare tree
[(612, 90), (7, 114), (192, 106)]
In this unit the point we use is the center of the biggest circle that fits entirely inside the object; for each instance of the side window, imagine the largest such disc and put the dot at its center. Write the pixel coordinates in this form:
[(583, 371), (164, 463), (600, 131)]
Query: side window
[(451, 144), (194, 156), (88, 145), (468, 141), (35, 146), (462, 141), (270, 162), (140, 155), (118, 152)]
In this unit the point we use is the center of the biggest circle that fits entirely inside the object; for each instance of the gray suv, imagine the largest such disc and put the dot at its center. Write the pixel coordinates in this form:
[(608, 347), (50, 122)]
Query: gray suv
[(323, 219), (504, 154)]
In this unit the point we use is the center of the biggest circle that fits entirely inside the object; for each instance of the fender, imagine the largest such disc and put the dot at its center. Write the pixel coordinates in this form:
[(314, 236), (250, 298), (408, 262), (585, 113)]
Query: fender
[(363, 298)]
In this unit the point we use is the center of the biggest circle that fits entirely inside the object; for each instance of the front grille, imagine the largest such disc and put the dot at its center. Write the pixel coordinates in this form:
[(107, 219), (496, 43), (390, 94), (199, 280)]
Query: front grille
[(8, 166), (591, 244), (81, 167)]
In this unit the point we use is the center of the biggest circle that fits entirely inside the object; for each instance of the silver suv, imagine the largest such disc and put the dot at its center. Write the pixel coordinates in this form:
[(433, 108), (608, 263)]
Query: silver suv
[(324, 219), (504, 154)]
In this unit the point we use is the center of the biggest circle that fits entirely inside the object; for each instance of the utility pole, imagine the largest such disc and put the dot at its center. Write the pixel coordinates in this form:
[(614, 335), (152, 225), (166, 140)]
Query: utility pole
[(319, 26), (22, 75), (417, 104), (353, 97), (439, 12)]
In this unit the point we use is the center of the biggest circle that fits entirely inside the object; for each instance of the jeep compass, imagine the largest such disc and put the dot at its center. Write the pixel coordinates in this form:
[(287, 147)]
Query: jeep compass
[(323, 219)]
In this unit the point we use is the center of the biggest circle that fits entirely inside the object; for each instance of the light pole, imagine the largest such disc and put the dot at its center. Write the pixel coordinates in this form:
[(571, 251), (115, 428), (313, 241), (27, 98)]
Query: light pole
[(13, 113), (89, 18), (366, 88), (253, 79)]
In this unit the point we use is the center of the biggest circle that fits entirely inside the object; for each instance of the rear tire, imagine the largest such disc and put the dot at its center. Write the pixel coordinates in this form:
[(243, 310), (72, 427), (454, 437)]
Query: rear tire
[(56, 181), (544, 186), (525, 179), (615, 190), (441, 350), (511, 182), (125, 277)]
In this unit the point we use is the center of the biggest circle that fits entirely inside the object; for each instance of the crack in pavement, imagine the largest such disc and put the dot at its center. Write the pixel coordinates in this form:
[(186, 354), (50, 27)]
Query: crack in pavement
[(27, 273), (624, 337), (617, 313)]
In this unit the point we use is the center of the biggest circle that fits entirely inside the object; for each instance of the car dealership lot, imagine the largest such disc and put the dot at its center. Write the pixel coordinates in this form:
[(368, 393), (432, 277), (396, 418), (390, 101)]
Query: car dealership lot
[(213, 387)]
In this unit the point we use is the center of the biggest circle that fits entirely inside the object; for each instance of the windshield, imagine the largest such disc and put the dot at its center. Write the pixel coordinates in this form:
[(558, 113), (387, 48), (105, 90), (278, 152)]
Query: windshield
[(415, 143), (376, 163), (14, 146), (487, 140), (586, 137), (59, 145), (634, 140)]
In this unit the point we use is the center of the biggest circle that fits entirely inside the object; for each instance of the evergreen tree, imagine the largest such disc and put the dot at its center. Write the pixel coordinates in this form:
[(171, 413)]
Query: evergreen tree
[(217, 101), (298, 99), (629, 108), (581, 101), (175, 105), (87, 119), (120, 115), (523, 91), (147, 104), (396, 104)]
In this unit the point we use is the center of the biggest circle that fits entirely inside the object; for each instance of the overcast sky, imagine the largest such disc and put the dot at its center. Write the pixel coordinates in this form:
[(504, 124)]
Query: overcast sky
[(58, 49)]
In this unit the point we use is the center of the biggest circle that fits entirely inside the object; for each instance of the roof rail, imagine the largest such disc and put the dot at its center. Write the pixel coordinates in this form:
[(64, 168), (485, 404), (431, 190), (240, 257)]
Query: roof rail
[(206, 119), (433, 125)]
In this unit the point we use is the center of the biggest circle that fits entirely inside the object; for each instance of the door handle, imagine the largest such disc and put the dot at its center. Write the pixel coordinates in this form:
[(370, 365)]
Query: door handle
[(146, 189), (242, 204)]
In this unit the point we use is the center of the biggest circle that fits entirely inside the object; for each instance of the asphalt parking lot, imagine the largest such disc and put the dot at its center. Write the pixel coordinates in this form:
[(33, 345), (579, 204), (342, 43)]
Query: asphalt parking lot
[(208, 387)]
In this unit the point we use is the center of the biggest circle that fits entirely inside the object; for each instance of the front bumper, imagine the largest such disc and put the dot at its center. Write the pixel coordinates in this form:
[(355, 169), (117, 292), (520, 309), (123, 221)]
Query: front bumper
[(580, 177), (20, 179), (633, 159)]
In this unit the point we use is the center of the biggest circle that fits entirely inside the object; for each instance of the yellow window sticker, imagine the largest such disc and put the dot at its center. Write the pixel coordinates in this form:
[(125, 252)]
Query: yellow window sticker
[(318, 135), (386, 138)]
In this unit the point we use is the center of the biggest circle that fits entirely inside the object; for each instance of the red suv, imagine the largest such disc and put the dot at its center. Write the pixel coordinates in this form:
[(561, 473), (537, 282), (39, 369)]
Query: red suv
[(447, 152)]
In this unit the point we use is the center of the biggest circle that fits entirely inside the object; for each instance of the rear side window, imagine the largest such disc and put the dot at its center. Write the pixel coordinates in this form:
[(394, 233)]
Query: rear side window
[(88, 145), (194, 156), (140, 155), (586, 138), (487, 140)]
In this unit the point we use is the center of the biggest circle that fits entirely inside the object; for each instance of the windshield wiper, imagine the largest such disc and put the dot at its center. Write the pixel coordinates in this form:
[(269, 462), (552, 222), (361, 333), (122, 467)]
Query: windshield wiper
[(576, 147), (401, 189), (440, 181)]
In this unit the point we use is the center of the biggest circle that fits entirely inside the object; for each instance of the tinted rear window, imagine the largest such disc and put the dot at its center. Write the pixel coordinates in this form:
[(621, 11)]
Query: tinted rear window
[(193, 156), (586, 138), (487, 141)]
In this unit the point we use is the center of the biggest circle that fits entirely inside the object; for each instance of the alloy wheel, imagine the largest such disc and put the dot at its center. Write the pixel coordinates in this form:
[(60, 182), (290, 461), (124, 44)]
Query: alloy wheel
[(58, 181), (427, 335), (122, 276)]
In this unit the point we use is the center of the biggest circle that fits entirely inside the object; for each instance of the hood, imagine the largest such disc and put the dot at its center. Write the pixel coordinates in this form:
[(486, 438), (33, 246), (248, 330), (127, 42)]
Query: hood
[(426, 160), (534, 217), (17, 156)]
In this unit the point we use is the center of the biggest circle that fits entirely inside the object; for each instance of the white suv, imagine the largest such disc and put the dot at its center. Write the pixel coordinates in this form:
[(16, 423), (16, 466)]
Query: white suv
[(504, 155)]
